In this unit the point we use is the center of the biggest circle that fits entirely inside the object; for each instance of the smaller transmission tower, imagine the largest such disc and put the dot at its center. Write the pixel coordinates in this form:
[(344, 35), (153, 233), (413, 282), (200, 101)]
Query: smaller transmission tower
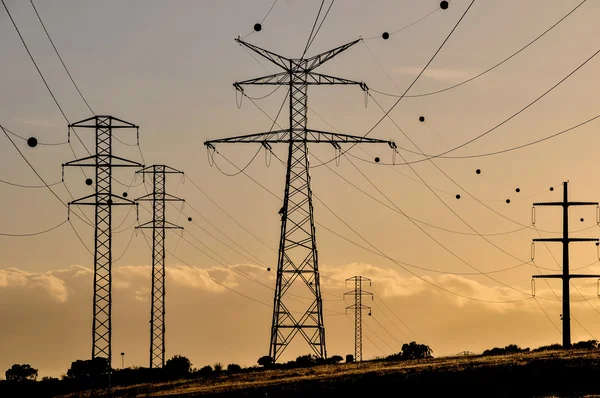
[(159, 198), (565, 276), (358, 306), (103, 200)]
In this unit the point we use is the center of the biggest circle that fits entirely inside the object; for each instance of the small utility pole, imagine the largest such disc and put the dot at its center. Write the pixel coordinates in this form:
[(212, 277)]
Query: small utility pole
[(565, 276), (159, 197), (358, 307)]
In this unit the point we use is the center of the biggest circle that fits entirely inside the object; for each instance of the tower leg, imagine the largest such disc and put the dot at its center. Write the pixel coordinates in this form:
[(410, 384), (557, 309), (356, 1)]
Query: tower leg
[(298, 258)]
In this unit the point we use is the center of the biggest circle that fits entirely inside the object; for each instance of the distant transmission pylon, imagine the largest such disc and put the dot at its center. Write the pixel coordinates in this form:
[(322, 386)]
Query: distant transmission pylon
[(565, 276), (297, 260), (103, 199), (358, 306), (159, 198)]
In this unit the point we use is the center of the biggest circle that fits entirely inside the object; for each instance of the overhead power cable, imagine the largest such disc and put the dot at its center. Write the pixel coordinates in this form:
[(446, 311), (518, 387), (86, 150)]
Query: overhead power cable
[(59, 57), (41, 74), (491, 68), (36, 233), (413, 82)]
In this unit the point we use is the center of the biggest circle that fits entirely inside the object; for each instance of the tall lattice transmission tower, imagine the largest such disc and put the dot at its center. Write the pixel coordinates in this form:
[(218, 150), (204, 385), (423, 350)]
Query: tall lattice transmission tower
[(358, 307), (298, 260), (159, 198), (103, 200)]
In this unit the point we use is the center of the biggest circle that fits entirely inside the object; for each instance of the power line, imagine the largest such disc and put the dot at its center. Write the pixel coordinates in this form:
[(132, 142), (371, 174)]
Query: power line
[(35, 233), (437, 8), (59, 57), (491, 68), (41, 74), (442, 154), (415, 80)]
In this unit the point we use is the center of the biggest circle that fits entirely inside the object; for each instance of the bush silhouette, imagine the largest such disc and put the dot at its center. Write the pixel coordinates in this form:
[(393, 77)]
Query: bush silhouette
[(233, 368), (265, 361)]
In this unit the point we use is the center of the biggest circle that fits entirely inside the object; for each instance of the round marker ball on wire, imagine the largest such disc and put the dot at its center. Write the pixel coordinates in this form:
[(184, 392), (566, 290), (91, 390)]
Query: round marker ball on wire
[(377, 159), (88, 181), (457, 196), (518, 190), (269, 269), (552, 188), (444, 5), (257, 27), (125, 194), (478, 171), (385, 35), (507, 200), (421, 119), (597, 243), (189, 218), (581, 219), (32, 142)]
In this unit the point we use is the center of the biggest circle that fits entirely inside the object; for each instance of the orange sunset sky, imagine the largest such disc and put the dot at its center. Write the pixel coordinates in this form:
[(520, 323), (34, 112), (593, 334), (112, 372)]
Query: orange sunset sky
[(454, 274)]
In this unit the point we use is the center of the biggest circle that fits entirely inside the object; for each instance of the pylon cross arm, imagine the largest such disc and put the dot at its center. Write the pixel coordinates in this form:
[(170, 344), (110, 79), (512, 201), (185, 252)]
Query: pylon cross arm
[(312, 136)]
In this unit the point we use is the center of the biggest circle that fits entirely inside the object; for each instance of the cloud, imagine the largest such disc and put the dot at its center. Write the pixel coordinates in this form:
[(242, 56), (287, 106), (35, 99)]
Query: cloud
[(440, 74), (52, 285)]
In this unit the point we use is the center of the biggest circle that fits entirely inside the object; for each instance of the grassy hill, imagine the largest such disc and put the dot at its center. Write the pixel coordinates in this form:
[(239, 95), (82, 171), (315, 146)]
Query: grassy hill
[(573, 373)]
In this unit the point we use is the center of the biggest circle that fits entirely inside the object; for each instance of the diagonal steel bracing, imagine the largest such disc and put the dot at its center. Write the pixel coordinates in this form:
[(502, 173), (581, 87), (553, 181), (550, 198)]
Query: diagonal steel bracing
[(159, 225), (297, 263), (103, 199)]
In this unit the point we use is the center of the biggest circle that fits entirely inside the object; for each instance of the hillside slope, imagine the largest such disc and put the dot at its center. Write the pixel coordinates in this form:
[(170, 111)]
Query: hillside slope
[(574, 373)]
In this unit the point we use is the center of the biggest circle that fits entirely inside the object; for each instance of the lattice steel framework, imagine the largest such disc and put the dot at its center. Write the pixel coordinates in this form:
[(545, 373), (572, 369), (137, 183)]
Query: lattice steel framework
[(358, 306), (565, 276), (103, 200), (298, 257), (159, 198)]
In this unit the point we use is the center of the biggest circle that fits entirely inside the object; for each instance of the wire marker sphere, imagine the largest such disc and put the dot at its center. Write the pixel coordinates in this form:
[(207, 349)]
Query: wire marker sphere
[(518, 190), (507, 200), (444, 5), (597, 243), (32, 142), (377, 159), (581, 219), (457, 196), (552, 188), (88, 181), (385, 35), (421, 119), (269, 269), (257, 27), (478, 171), (125, 194), (189, 218)]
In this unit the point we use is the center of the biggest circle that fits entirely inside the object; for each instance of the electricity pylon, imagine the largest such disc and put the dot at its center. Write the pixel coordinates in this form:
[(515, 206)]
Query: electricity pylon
[(103, 199), (358, 306), (159, 198), (297, 259), (565, 276)]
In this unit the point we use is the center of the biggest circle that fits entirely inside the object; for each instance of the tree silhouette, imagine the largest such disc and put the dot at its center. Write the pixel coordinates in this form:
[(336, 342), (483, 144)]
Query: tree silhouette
[(178, 366), (413, 350), (21, 373)]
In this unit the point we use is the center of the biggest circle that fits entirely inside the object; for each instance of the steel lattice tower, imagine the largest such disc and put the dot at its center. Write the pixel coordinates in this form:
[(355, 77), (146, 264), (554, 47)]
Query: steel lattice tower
[(565, 276), (298, 258), (103, 200), (159, 198), (358, 306)]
